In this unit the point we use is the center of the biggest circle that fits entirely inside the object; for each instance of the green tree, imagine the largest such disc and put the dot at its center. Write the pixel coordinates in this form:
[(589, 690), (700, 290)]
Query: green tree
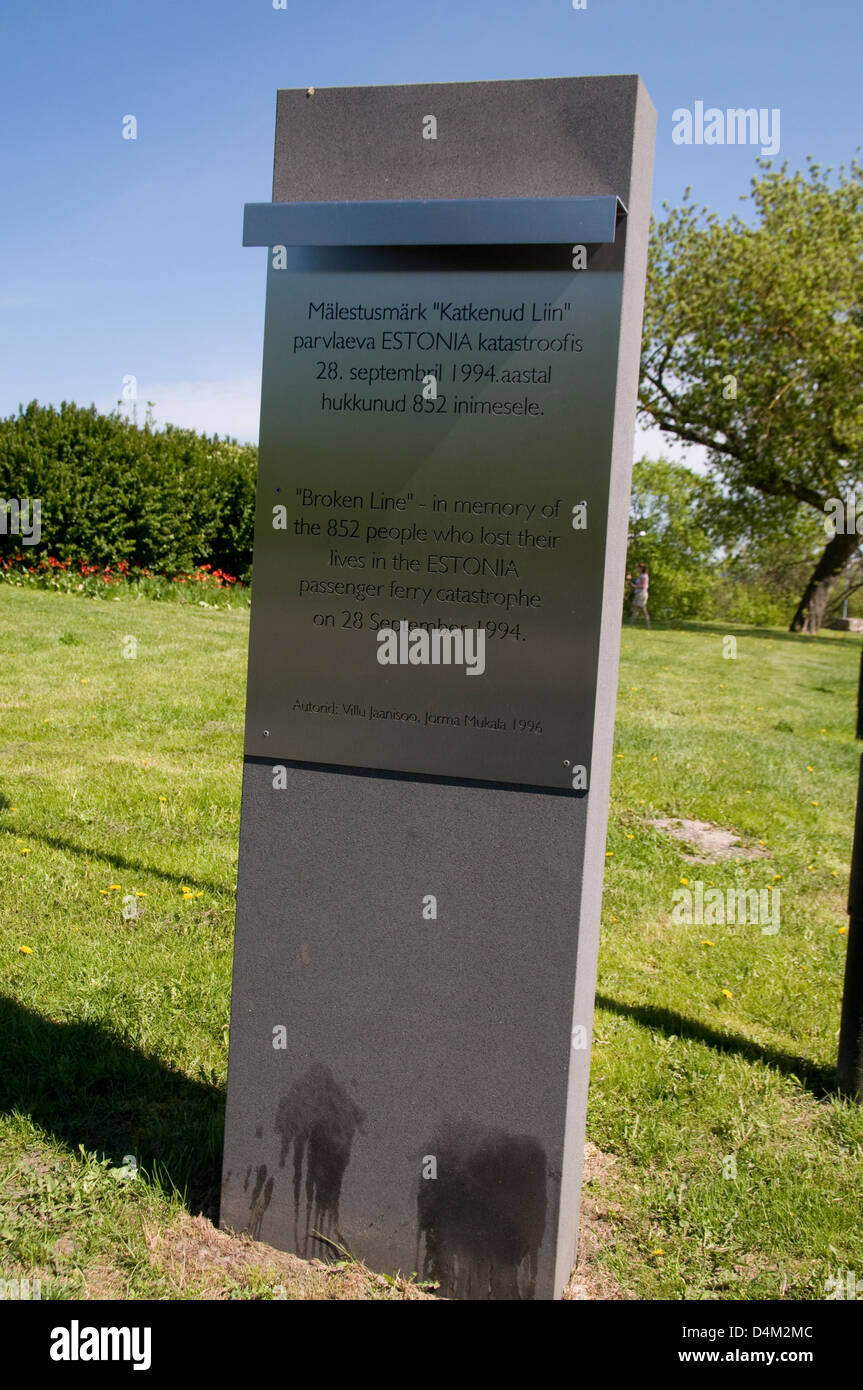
[(669, 529), (753, 348), (114, 491)]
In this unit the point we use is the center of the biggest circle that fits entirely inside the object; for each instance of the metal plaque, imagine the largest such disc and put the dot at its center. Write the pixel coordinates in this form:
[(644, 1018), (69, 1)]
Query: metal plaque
[(431, 513)]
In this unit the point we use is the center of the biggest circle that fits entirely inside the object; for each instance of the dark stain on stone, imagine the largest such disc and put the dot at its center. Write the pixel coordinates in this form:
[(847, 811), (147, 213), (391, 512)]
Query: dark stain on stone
[(483, 1217), (261, 1194), (259, 1131), (319, 1119)]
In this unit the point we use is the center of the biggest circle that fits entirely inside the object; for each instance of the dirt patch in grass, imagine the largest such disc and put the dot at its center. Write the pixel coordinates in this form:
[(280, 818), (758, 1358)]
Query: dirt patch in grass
[(103, 1283), (196, 1256), (588, 1279), (714, 843)]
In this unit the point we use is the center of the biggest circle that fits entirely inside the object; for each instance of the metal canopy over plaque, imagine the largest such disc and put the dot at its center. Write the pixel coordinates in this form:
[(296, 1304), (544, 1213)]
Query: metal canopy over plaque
[(454, 301), (434, 458)]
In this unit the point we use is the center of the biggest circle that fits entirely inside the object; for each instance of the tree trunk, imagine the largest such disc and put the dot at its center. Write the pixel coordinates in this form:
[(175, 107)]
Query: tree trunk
[(810, 610)]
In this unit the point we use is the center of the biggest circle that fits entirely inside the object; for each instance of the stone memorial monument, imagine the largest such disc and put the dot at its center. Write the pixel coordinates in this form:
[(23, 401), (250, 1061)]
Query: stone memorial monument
[(454, 298)]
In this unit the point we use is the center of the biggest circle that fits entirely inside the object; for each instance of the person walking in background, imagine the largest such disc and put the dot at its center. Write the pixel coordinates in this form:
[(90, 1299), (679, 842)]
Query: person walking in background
[(639, 595)]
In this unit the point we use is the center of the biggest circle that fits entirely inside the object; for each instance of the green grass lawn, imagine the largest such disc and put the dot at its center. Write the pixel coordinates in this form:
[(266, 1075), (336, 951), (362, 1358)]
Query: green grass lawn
[(119, 791)]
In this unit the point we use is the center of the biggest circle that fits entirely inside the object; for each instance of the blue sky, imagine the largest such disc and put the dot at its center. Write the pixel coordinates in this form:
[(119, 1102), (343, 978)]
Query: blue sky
[(124, 257)]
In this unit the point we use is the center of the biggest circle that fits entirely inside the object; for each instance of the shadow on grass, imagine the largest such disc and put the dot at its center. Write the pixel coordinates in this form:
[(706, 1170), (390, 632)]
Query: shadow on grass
[(773, 634), (818, 1079), (116, 861), (83, 1084)]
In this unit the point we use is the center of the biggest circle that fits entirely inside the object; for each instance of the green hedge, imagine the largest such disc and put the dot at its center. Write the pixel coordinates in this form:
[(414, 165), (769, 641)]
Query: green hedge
[(165, 500)]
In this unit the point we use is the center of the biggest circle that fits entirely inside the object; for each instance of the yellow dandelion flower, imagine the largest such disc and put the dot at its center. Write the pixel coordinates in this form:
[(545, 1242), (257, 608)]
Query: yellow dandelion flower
[(609, 853), (814, 803), (657, 1251), (104, 890), (629, 837), (25, 851), (26, 950), (200, 893), (115, 887), (809, 767), (163, 798), (655, 759), (140, 895), (620, 755), (728, 994), (843, 931), (708, 943), (684, 880)]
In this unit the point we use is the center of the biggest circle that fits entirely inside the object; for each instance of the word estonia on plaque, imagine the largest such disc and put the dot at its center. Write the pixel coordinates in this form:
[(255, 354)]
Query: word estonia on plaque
[(440, 422)]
